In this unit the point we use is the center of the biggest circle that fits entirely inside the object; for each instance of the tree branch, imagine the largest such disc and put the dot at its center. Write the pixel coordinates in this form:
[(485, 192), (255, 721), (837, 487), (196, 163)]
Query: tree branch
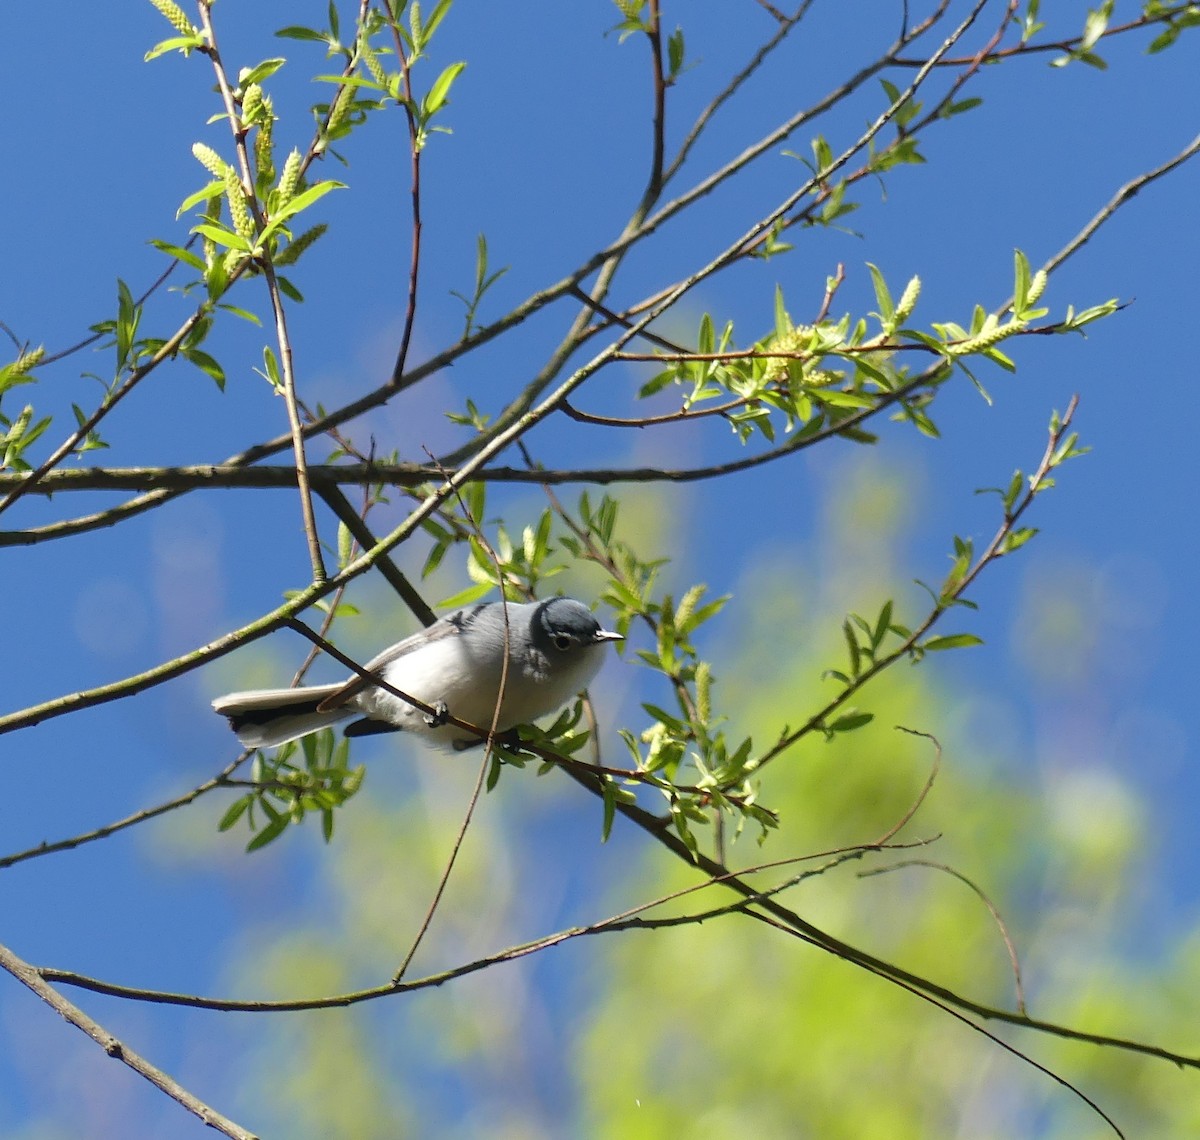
[(33, 980)]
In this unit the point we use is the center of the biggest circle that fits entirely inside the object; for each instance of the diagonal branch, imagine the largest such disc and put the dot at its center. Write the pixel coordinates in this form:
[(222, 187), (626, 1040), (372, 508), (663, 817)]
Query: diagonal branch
[(33, 980)]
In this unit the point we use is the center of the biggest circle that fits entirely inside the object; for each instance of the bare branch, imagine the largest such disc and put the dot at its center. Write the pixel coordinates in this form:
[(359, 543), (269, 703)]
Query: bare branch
[(33, 979), (220, 780)]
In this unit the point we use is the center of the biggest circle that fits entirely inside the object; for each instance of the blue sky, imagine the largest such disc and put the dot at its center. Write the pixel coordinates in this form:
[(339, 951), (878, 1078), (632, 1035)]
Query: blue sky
[(547, 158)]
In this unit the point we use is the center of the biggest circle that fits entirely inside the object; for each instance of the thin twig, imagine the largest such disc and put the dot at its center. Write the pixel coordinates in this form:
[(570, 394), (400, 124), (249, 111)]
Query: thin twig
[(1066, 46), (220, 780), (1123, 195), (947, 1007), (265, 263), (716, 873), (485, 763), (945, 602), (29, 480), (923, 794), (414, 196), (625, 920), (1014, 960), (33, 980)]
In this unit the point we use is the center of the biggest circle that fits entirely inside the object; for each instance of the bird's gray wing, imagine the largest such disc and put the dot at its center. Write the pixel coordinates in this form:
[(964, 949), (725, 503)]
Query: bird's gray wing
[(449, 626)]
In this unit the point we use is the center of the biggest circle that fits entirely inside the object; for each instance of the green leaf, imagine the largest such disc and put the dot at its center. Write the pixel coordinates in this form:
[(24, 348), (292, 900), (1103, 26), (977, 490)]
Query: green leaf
[(822, 154), (204, 194), (959, 108), (1017, 539), (234, 812), (952, 641), (849, 721), (260, 71), (222, 236), (1094, 27), (783, 322), (300, 202), (494, 768), (467, 596), (852, 648), (1023, 278), (883, 298), (295, 32), (179, 254), (290, 290), (184, 44), (440, 91), (675, 53), (435, 18), (609, 790), (272, 831), (206, 364), (882, 624), (245, 314)]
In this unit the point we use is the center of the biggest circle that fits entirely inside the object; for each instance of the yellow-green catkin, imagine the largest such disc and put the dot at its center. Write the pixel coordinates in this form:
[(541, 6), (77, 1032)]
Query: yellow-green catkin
[(210, 160), (375, 67), (264, 142), (176, 16), (1037, 287), (292, 253), (27, 361), (252, 102), (908, 301), (239, 210), (339, 112), (289, 180), (704, 692), (795, 340)]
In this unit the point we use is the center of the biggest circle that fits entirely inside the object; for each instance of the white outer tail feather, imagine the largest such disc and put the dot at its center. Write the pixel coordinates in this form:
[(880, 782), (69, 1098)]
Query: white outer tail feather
[(283, 726)]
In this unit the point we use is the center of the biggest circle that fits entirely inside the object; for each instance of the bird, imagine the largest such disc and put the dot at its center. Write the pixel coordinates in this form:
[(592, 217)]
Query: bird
[(555, 648)]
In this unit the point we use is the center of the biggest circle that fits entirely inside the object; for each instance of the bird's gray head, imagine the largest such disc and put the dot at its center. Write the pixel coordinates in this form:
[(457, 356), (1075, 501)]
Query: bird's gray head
[(564, 624)]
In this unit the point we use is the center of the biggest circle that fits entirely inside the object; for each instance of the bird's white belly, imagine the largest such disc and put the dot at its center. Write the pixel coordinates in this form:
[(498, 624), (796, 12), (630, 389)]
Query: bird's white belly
[(445, 671)]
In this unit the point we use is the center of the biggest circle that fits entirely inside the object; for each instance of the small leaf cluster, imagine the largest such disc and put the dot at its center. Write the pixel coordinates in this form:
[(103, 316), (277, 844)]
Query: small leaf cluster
[(827, 377), (1174, 19), (285, 791), (1023, 488), (808, 379), (189, 39), (872, 644), (635, 19), (564, 738), (683, 752), (516, 567), (902, 149), (1177, 18), (697, 769), (16, 435), (831, 203), (134, 352), (1094, 26), (259, 221), (366, 83), (866, 642), (484, 280), (247, 211)]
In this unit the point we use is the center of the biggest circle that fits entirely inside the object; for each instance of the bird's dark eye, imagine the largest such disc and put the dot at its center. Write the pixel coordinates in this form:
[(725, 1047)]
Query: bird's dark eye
[(562, 641)]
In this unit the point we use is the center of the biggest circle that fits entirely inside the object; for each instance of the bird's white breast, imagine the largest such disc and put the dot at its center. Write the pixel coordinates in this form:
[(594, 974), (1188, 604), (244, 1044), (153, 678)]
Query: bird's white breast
[(447, 671)]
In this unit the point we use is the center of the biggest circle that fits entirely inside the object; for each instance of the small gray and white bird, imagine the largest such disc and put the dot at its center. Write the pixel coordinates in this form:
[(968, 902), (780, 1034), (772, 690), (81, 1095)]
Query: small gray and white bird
[(554, 649)]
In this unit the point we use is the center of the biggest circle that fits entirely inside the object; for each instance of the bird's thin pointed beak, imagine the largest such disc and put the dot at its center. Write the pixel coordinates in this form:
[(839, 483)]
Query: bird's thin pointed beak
[(606, 635)]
